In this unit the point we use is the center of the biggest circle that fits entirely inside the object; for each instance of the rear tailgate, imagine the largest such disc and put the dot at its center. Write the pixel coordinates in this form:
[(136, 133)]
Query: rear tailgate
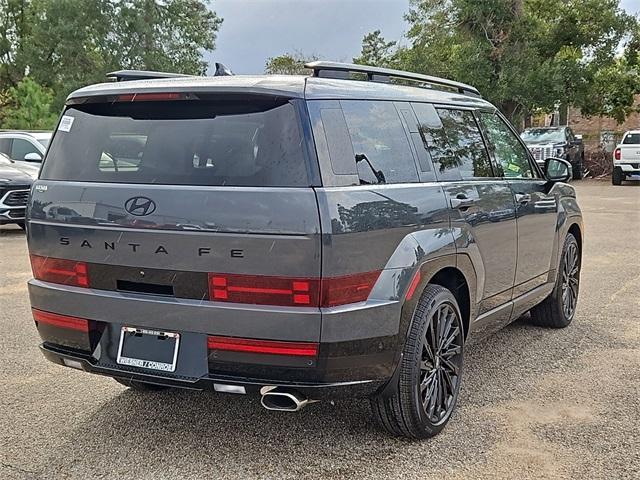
[(629, 153), (156, 198)]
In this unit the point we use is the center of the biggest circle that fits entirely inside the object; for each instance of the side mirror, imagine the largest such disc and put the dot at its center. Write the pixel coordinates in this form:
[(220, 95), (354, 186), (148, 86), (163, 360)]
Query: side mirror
[(33, 157), (557, 170)]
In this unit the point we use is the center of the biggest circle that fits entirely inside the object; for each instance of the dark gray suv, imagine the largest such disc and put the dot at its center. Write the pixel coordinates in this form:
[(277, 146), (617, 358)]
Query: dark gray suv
[(297, 238)]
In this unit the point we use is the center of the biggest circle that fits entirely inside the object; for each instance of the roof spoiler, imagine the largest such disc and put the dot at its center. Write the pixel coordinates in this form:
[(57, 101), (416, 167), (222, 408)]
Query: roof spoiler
[(384, 75), (128, 75)]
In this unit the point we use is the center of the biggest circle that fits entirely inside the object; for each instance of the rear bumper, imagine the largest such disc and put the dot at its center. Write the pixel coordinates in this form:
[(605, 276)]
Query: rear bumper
[(357, 348), (317, 391), (628, 168)]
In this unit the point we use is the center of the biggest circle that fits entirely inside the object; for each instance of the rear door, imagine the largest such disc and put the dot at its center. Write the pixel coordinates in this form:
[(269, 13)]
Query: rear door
[(482, 205), (157, 195), (536, 210)]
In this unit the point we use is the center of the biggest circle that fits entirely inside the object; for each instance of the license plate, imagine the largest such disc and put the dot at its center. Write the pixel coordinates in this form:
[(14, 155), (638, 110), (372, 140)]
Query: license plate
[(152, 349)]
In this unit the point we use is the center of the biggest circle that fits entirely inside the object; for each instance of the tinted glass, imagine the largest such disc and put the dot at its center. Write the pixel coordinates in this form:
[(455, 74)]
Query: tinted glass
[(379, 142), (454, 141), (543, 135), (632, 139), (5, 146), (20, 148), (510, 155), (182, 143)]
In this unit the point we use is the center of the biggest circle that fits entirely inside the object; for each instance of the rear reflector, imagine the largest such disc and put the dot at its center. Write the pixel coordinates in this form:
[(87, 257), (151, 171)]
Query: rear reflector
[(413, 285), (56, 270), (292, 292), (231, 344), (61, 321)]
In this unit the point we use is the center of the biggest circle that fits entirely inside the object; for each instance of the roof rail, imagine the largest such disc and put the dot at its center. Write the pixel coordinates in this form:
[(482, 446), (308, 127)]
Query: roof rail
[(375, 74), (126, 75)]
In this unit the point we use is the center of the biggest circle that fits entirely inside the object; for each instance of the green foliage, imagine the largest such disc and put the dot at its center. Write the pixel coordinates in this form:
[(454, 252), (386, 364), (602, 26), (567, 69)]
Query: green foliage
[(66, 44), (523, 55), (288, 64), (29, 107), (376, 50)]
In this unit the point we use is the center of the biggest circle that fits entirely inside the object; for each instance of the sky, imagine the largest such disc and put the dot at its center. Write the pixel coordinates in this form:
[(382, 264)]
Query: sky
[(254, 30)]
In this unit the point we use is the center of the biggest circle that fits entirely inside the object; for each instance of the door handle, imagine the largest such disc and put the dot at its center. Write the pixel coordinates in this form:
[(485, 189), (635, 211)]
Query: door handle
[(461, 201), (522, 198)]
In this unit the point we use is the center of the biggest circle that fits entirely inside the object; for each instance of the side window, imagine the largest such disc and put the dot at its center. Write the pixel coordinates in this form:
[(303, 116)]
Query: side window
[(21, 147), (510, 155), (5, 146), (453, 139), (380, 144)]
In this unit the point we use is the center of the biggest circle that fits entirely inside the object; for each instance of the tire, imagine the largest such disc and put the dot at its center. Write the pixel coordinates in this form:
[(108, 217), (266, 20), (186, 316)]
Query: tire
[(578, 172), (424, 397), (559, 308), (141, 386), (617, 176)]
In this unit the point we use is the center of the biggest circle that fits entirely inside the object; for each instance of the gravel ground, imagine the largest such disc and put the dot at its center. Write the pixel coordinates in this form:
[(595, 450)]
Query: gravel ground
[(535, 403)]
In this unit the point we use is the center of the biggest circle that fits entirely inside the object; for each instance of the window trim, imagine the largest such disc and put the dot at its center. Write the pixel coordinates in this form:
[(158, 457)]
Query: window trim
[(473, 111)]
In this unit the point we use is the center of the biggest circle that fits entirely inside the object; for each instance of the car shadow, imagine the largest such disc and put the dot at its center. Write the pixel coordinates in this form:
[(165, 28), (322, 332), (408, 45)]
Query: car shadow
[(169, 433)]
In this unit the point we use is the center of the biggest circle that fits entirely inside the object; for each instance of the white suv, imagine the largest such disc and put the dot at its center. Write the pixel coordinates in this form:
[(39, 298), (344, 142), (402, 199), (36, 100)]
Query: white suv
[(24, 146), (626, 157)]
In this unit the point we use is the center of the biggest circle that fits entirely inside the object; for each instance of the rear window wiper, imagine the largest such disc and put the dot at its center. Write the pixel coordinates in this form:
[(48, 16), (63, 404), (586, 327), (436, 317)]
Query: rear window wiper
[(377, 173)]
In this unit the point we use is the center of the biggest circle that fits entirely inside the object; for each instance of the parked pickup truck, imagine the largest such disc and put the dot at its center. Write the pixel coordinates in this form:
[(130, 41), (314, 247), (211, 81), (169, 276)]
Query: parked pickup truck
[(626, 157)]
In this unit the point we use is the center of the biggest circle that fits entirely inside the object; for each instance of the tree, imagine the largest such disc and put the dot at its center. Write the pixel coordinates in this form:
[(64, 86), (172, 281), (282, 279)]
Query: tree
[(29, 107), (165, 35), (376, 50), (523, 55), (66, 44), (289, 64)]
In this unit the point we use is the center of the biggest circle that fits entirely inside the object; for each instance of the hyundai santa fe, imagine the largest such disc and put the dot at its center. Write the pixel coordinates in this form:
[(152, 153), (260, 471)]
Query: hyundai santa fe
[(295, 238)]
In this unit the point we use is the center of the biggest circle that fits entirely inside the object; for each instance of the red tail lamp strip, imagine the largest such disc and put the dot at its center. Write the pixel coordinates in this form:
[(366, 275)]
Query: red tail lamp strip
[(293, 349), (264, 290), (286, 291), (149, 97), (57, 270), (60, 321)]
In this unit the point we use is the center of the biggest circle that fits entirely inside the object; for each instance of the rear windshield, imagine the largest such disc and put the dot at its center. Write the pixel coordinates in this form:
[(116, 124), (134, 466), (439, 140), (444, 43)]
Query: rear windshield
[(632, 139), (180, 143)]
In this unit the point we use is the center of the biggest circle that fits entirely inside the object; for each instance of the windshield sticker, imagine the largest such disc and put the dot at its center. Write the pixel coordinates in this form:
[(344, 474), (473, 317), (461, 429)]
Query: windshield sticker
[(65, 123)]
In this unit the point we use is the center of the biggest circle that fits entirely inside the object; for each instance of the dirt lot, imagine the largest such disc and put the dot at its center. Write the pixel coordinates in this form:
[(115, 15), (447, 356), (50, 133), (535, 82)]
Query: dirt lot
[(535, 403)]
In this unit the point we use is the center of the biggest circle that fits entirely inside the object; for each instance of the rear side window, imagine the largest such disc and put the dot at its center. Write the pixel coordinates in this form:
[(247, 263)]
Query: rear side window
[(453, 139), (380, 144), (632, 139), (20, 148), (217, 143)]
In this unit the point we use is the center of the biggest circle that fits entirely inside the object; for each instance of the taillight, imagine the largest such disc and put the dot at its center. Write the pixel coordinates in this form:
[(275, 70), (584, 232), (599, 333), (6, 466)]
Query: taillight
[(57, 270), (292, 292), (347, 289), (61, 321), (617, 154), (264, 290), (150, 97), (246, 345)]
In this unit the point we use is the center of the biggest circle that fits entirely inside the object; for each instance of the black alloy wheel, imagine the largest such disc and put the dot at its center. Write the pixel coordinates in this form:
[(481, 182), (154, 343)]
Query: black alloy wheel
[(441, 363)]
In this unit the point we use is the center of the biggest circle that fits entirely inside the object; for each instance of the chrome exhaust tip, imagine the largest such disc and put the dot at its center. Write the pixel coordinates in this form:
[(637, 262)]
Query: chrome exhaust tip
[(283, 400)]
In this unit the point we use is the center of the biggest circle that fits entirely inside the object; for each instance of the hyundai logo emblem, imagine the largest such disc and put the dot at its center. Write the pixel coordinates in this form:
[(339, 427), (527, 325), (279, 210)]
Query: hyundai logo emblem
[(140, 206)]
